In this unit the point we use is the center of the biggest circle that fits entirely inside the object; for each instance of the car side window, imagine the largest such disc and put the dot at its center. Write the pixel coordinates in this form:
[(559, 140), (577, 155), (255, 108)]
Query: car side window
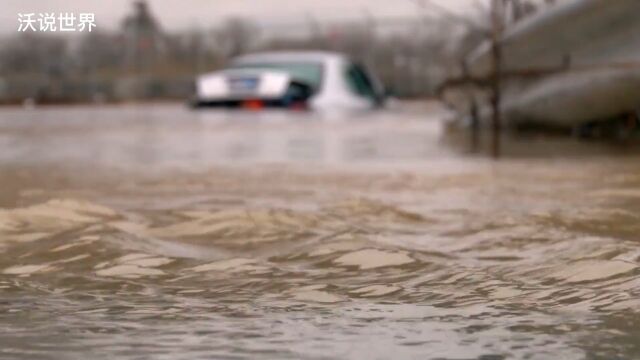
[(359, 82)]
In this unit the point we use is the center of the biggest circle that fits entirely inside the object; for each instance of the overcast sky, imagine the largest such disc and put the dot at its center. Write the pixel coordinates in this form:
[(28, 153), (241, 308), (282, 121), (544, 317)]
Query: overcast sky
[(180, 14)]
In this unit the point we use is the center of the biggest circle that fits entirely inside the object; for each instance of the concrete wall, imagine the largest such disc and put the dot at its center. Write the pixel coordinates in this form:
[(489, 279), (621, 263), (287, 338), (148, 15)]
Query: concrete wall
[(593, 38)]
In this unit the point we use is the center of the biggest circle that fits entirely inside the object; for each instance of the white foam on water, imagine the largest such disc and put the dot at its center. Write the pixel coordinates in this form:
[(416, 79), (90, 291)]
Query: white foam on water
[(24, 237), (36, 222), (129, 271), (232, 265), (376, 290), (80, 242), (373, 258), (75, 258), (27, 269), (206, 225), (592, 270), (133, 265), (505, 292), (101, 265), (68, 210)]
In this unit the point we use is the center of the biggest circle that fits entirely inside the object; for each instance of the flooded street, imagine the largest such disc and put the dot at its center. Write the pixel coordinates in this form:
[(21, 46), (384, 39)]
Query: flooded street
[(155, 232)]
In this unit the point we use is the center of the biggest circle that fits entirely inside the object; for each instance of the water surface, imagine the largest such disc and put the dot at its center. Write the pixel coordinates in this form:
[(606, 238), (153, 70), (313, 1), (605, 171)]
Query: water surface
[(138, 232)]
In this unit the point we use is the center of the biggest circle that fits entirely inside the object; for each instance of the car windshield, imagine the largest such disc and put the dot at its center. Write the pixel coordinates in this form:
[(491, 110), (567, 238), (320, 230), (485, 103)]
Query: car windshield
[(308, 72)]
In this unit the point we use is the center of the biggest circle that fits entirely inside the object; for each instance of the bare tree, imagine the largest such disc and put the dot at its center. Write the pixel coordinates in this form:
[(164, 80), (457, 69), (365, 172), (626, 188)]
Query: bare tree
[(236, 36)]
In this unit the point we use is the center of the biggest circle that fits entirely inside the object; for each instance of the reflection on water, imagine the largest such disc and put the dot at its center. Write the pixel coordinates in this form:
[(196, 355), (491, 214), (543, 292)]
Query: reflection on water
[(173, 136), (154, 232)]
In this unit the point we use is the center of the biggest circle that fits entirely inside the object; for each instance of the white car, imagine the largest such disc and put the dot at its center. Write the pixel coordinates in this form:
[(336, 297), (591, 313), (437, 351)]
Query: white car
[(291, 79)]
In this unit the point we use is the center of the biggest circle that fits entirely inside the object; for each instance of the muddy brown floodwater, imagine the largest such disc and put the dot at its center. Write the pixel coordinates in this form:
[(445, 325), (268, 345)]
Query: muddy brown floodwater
[(154, 232)]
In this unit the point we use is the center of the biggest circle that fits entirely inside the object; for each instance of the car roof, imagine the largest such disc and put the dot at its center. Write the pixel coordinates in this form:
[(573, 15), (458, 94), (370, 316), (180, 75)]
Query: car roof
[(285, 56)]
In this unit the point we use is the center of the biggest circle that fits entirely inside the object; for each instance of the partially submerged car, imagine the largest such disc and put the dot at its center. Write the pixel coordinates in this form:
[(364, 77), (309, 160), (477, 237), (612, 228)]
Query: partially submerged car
[(291, 79)]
